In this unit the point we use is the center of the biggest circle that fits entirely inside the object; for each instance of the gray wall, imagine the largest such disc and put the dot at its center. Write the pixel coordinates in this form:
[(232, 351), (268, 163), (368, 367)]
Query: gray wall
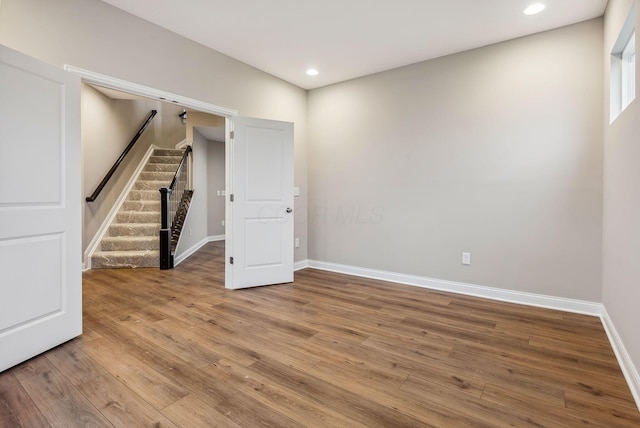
[(212, 175), (621, 243), (495, 151), (215, 182), (103, 134), (207, 209), (95, 36)]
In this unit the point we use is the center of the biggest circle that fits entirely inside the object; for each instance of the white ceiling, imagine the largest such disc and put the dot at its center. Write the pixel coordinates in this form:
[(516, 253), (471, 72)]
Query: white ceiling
[(345, 39), (212, 133)]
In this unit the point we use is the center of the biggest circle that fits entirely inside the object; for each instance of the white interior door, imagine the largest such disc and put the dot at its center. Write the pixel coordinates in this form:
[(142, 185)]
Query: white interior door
[(40, 220), (261, 213)]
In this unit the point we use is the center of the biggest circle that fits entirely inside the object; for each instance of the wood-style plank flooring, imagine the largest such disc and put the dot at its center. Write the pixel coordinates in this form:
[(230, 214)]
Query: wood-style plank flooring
[(175, 349)]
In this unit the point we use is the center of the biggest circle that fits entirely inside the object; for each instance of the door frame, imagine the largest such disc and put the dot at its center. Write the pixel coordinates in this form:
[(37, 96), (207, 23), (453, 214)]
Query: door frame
[(91, 77)]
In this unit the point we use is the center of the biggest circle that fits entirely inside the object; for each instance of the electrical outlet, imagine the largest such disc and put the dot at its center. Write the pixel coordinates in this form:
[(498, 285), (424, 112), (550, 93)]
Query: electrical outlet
[(297, 243), (222, 223), (296, 191), (466, 258)]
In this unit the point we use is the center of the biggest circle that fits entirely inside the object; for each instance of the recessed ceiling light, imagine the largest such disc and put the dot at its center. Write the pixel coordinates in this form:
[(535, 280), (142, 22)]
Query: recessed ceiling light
[(534, 8), (312, 72)]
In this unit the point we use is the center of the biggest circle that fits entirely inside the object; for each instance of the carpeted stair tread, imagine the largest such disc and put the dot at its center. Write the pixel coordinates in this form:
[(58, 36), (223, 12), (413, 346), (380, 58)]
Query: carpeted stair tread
[(141, 206), (134, 229), (138, 216), (174, 160), (161, 167), (125, 259), (144, 195), (150, 185), (168, 152), (130, 243), (165, 176)]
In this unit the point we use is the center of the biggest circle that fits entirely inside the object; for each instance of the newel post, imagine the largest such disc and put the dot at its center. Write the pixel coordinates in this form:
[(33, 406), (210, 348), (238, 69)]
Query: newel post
[(166, 258)]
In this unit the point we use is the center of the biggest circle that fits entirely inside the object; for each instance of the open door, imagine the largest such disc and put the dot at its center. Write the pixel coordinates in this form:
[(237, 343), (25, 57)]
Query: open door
[(40, 220), (260, 206)]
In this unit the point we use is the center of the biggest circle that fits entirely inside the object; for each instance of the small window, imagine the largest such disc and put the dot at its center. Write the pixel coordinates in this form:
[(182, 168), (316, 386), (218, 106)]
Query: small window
[(628, 72), (623, 68)]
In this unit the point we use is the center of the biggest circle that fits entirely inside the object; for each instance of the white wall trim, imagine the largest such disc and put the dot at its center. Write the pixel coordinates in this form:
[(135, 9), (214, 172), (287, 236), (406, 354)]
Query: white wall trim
[(302, 264), (511, 296), (97, 238), (146, 91), (189, 252), (182, 144), (626, 363)]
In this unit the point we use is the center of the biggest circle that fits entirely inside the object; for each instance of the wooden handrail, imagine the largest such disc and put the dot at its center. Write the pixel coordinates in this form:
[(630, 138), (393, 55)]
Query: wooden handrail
[(115, 166)]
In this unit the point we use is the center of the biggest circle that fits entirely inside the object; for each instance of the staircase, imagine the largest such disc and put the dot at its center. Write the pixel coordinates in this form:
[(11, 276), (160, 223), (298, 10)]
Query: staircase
[(132, 239)]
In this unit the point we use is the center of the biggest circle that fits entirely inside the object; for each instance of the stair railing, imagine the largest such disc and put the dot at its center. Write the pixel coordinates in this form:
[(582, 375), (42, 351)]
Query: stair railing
[(172, 201), (115, 166)]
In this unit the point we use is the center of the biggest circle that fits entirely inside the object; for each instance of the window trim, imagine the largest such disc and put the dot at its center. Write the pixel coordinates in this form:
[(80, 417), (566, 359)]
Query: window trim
[(628, 72), (623, 68)]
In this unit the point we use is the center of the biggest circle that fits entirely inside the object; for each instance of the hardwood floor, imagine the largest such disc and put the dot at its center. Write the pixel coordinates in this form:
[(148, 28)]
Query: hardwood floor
[(174, 348)]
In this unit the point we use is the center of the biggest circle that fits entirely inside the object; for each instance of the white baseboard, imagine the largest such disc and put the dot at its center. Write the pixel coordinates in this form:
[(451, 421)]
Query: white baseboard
[(511, 296), (189, 252), (97, 238), (626, 364), (303, 264)]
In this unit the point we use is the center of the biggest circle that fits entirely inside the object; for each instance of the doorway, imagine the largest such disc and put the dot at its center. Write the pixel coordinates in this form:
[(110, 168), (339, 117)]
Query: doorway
[(259, 170), (202, 117), (117, 225)]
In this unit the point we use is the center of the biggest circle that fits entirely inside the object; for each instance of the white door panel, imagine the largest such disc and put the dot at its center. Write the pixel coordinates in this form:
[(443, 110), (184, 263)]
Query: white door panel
[(45, 271), (261, 213), (40, 142), (40, 220)]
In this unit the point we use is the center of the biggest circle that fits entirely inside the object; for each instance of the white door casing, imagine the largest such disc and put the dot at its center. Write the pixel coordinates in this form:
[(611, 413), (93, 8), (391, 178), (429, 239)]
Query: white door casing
[(40, 211), (261, 213)]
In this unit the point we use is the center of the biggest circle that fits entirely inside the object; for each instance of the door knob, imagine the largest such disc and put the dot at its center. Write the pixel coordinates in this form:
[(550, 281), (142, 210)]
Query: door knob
[(289, 210)]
